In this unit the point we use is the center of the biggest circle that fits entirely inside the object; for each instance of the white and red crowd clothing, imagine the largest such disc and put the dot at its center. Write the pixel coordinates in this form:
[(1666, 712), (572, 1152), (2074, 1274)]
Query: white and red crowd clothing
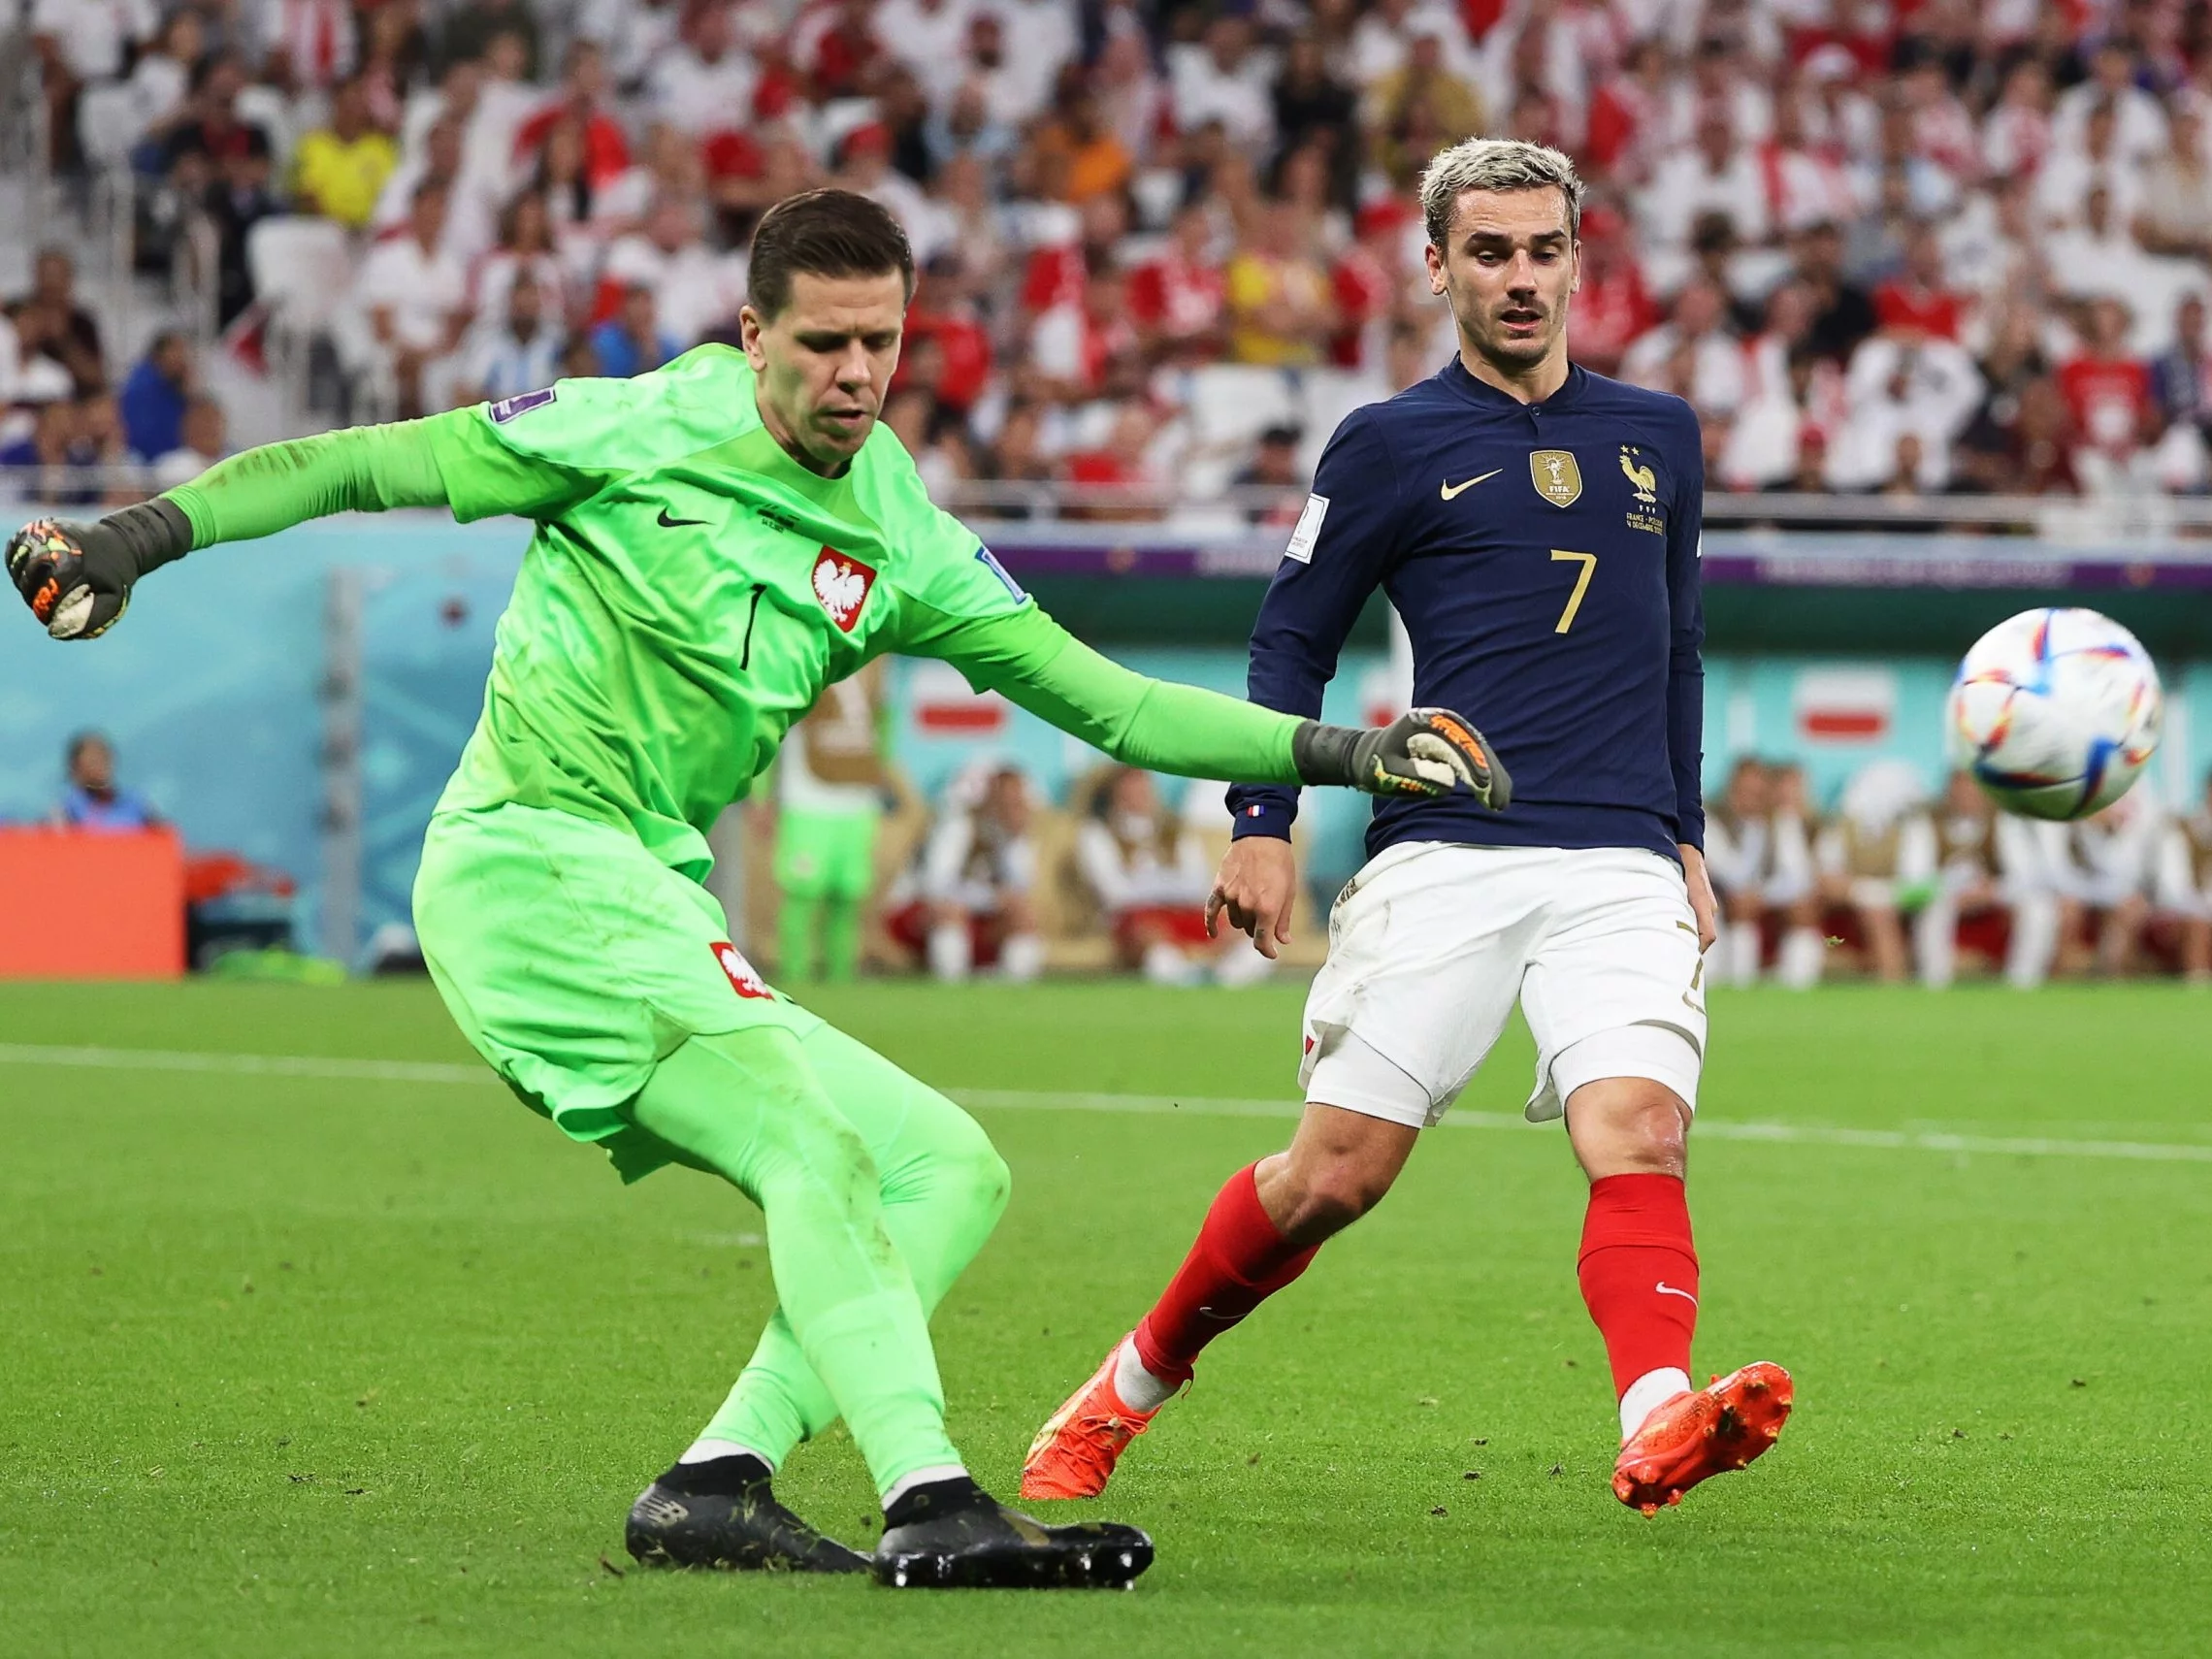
[(1179, 299), (2111, 401), (1150, 876)]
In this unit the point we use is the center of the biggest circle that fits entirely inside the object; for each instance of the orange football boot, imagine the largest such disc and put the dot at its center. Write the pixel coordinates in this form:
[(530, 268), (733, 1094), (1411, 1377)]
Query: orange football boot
[(1074, 1453), (1701, 1432)]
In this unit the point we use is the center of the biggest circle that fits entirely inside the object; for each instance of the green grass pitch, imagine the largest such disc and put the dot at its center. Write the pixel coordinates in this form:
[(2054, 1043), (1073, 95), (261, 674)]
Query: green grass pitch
[(301, 1363)]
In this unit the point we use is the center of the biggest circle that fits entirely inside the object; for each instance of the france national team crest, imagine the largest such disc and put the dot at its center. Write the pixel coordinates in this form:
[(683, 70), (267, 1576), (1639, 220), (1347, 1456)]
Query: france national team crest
[(1640, 478), (742, 979), (1556, 478), (842, 583), (506, 408), (1642, 515)]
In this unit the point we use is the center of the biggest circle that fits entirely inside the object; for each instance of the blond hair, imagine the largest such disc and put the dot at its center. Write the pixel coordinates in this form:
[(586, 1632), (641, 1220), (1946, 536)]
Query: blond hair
[(1495, 164)]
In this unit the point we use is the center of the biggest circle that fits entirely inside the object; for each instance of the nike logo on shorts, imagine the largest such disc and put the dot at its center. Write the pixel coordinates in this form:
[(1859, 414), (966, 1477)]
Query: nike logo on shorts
[(1666, 1289), (1451, 492), (668, 523)]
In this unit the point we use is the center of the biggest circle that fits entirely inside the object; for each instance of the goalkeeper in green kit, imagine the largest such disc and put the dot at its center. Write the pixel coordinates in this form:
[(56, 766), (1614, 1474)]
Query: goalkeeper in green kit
[(716, 542)]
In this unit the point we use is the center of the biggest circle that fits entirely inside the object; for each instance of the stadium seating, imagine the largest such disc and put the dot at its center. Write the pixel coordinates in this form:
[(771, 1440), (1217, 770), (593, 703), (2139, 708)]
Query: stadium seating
[(301, 269), (1968, 184), (1874, 246), (108, 121)]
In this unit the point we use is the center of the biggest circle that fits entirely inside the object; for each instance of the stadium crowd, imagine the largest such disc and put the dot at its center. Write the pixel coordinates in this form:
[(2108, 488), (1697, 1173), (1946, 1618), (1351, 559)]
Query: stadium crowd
[(990, 879), (1883, 246), (851, 870), (1890, 884), (1897, 884)]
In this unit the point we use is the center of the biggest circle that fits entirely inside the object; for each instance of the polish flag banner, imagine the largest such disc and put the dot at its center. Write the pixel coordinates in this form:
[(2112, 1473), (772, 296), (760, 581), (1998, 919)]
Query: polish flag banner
[(942, 705), (1845, 705)]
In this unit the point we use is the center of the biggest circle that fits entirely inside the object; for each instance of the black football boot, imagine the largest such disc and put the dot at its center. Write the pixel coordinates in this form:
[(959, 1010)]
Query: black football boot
[(953, 1535), (722, 1513)]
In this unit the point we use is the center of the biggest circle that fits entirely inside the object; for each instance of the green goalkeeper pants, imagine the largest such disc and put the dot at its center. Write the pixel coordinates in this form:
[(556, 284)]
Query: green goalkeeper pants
[(825, 867), (602, 987), (877, 1189)]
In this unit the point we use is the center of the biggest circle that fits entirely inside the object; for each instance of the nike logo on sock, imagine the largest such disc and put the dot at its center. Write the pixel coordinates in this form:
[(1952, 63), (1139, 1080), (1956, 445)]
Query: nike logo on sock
[(1666, 1289), (1218, 1319)]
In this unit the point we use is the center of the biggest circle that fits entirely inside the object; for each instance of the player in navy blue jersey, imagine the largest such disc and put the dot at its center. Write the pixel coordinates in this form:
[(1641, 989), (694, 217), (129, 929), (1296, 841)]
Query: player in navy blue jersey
[(1536, 526)]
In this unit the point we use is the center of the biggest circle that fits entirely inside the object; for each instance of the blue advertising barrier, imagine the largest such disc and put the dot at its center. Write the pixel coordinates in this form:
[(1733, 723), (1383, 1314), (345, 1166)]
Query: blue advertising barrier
[(213, 693), (211, 689)]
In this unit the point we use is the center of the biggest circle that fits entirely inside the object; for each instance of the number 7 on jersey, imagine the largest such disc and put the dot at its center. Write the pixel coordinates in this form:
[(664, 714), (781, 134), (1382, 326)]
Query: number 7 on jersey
[(1582, 586)]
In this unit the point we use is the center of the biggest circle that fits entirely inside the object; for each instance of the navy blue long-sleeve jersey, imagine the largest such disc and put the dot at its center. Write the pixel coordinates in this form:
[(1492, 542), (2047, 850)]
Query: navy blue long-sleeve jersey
[(1544, 560)]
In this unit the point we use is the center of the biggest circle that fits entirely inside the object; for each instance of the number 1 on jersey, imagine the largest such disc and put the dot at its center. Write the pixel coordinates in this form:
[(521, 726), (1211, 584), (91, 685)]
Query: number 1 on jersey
[(745, 659), (1582, 586)]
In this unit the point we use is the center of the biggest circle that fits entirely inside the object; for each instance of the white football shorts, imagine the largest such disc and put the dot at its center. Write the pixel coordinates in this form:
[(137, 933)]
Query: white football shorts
[(1431, 943)]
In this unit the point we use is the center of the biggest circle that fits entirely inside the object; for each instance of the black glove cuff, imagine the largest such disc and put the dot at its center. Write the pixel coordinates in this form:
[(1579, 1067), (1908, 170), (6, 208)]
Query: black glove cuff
[(153, 532), (1324, 754)]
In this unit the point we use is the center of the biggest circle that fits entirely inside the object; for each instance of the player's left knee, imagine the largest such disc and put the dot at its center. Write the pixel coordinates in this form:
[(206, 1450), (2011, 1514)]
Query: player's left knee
[(1659, 1132), (969, 1169), (988, 1181), (1652, 1140), (1627, 1125), (1328, 1200)]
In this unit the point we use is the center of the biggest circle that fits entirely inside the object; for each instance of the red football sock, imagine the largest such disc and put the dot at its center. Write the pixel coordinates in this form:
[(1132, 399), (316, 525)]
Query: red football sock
[(1238, 1261), (1639, 1274)]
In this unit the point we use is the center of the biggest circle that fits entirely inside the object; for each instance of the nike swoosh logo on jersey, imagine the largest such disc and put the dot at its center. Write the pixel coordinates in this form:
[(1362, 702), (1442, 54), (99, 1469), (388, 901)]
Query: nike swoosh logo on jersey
[(1451, 492), (668, 523), (1666, 1289)]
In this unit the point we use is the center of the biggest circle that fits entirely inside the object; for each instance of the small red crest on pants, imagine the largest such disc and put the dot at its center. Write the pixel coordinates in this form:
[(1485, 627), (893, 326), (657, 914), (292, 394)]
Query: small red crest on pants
[(742, 979), (842, 584)]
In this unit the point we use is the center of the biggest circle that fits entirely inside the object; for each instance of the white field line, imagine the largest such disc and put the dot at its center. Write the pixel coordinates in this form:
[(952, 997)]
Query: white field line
[(330, 1069), (1776, 1135), (339, 1070)]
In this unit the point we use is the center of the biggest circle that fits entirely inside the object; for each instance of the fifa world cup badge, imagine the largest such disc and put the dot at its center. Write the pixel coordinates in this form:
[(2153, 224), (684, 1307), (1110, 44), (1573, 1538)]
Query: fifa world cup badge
[(1557, 479)]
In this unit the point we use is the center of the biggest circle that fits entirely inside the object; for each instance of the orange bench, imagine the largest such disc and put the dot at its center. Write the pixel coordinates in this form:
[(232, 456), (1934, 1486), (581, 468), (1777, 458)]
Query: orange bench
[(85, 904)]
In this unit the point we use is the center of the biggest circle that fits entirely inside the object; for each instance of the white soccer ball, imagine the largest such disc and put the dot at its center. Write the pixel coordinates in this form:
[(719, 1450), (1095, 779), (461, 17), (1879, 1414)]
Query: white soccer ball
[(2055, 712)]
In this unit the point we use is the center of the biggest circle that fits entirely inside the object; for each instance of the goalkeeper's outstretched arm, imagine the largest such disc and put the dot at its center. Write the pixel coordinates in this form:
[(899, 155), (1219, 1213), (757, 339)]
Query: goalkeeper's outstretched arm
[(1170, 728), (77, 578)]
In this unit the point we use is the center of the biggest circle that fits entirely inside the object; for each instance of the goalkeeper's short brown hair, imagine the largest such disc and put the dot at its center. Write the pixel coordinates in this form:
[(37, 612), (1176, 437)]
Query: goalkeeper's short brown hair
[(824, 233)]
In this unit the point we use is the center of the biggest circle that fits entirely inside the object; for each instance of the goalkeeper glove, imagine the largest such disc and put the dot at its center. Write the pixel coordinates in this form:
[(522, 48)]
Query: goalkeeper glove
[(77, 578), (1424, 751)]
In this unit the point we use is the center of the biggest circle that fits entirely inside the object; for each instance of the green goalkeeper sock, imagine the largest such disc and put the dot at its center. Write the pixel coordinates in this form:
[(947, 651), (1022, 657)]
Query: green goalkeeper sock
[(944, 1188), (749, 1105), (840, 939), (795, 932)]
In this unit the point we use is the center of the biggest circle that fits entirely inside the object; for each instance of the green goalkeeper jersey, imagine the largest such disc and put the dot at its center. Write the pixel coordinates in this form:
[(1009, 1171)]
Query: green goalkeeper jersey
[(691, 589)]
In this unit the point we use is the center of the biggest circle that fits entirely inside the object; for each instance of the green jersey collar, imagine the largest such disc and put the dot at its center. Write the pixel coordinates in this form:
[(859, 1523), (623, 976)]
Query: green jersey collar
[(758, 451)]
